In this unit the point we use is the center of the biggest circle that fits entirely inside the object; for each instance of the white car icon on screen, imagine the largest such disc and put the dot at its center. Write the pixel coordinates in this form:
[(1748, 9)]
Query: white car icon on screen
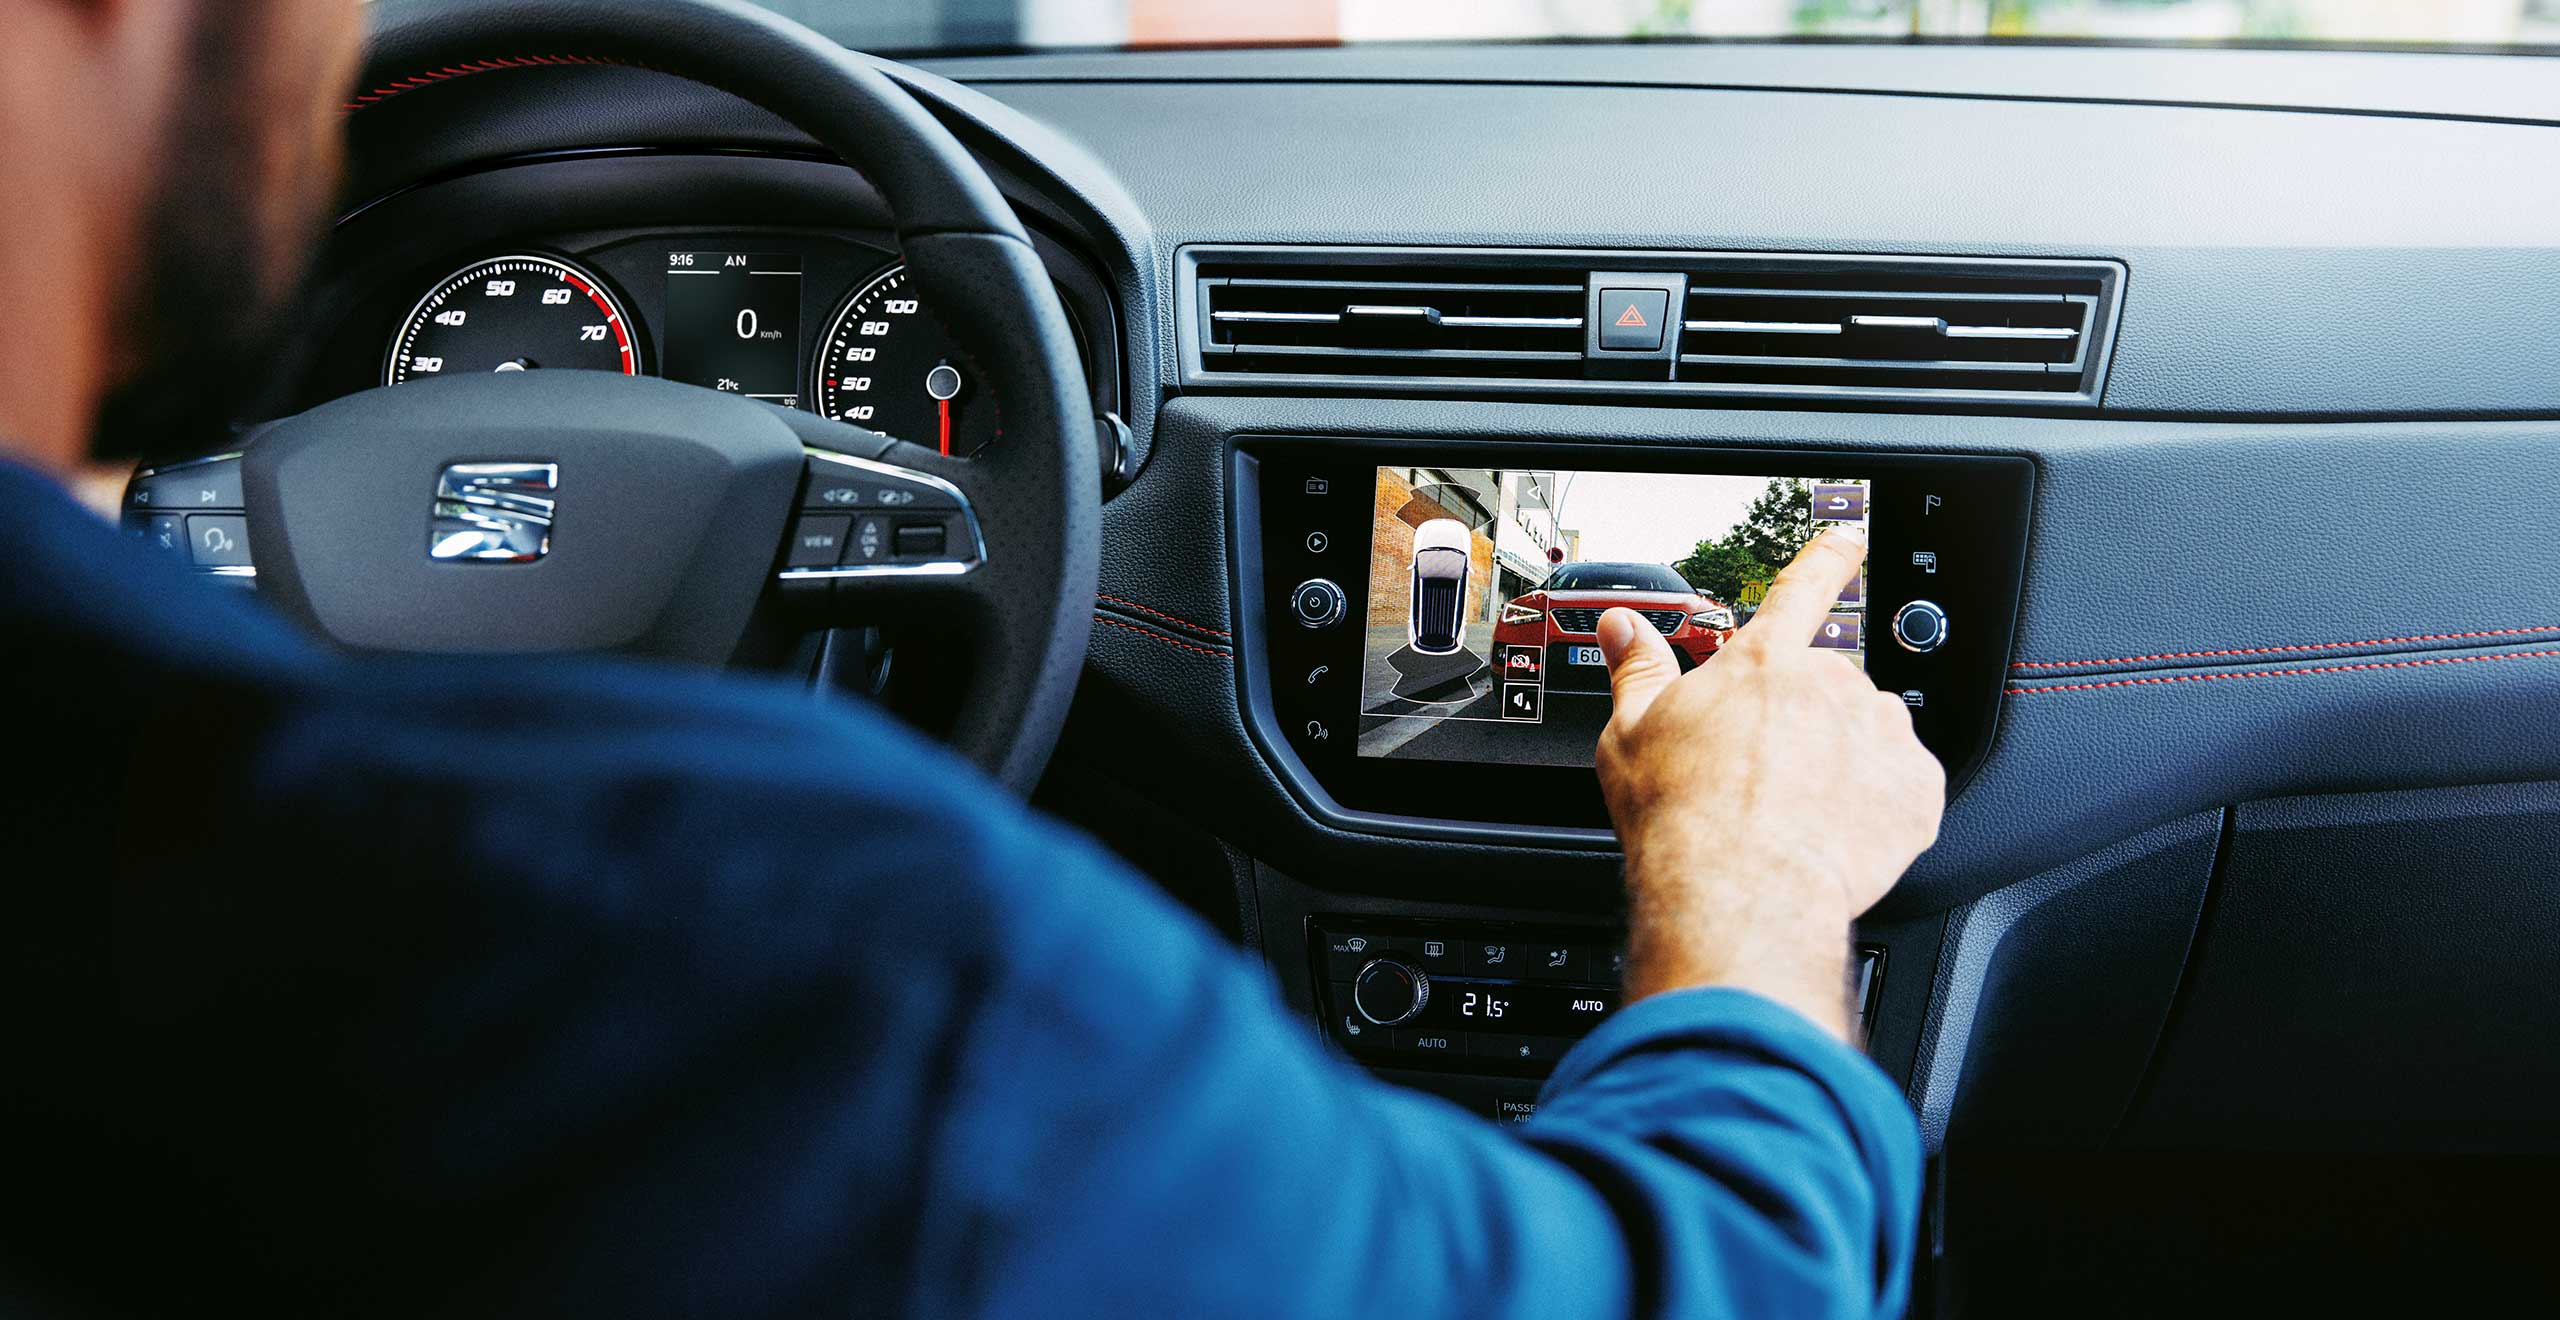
[(1436, 623)]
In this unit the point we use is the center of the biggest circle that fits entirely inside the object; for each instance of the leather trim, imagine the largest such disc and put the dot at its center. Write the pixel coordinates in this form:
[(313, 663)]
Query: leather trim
[(1156, 635), (2278, 673), (1205, 630), (2287, 650)]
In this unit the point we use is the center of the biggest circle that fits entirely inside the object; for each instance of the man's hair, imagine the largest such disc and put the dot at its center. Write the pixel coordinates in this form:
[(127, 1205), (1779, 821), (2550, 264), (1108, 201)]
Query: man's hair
[(202, 314)]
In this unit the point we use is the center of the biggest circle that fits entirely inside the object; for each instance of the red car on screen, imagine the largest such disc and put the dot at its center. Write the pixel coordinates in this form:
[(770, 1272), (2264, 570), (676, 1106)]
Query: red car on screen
[(1561, 620)]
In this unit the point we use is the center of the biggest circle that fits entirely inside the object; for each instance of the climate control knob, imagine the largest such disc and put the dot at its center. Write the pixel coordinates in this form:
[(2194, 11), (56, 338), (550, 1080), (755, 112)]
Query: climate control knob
[(1388, 992)]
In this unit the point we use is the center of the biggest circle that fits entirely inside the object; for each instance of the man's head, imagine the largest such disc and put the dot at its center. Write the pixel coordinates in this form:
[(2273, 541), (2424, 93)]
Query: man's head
[(184, 152)]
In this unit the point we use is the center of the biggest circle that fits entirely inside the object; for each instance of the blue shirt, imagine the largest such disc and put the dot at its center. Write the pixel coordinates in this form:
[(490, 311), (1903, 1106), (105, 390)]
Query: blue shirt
[(474, 987)]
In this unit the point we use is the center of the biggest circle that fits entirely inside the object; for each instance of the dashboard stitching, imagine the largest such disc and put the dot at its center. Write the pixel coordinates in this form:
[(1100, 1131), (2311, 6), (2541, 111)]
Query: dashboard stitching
[(1196, 627), (464, 70), (2282, 650), (1153, 635), (2276, 673)]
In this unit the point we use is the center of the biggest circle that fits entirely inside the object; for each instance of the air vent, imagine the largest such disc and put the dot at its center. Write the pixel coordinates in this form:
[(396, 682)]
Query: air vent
[(1393, 321), (2027, 333), (1938, 331)]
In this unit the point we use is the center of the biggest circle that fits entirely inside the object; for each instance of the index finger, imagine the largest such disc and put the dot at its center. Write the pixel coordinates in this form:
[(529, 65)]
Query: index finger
[(1809, 589)]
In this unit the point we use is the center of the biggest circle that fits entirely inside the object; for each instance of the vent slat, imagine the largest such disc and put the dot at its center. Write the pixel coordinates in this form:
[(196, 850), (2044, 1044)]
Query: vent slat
[(1452, 354), (1858, 364), (1372, 286)]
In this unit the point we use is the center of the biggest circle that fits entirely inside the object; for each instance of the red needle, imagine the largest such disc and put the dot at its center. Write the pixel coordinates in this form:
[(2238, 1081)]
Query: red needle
[(944, 407)]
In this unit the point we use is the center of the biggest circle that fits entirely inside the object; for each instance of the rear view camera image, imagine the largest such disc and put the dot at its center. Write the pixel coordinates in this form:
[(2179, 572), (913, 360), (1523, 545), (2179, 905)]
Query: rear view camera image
[(1486, 589)]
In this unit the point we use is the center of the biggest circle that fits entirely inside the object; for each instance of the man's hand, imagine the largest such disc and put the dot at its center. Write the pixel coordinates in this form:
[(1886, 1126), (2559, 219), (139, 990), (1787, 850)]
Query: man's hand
[(1764, 799)]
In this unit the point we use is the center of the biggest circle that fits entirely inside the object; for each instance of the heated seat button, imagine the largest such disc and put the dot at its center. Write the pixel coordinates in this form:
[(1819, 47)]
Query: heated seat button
[(817, 542), (1631, 319)]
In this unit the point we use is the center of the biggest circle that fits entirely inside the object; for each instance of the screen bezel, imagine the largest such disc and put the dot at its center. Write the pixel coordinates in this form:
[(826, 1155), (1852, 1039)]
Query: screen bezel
[(1984, 501)]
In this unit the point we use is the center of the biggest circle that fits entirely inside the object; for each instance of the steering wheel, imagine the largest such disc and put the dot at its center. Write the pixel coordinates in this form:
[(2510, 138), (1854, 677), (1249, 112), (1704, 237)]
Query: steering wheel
[(531, 512)]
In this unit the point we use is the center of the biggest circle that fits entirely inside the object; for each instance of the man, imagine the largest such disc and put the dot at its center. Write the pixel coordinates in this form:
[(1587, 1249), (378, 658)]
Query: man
[(306, 1019)]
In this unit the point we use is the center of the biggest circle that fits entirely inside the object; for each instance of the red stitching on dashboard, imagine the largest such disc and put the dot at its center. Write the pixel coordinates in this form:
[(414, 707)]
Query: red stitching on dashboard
[(465, 70), (2281, 650), (2276, 673), (1195, 627), (1157, 636)]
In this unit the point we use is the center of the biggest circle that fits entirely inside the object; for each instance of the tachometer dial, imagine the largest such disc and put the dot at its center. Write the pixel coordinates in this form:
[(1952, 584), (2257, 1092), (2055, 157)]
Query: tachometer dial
[(513, 314), (888, 365)]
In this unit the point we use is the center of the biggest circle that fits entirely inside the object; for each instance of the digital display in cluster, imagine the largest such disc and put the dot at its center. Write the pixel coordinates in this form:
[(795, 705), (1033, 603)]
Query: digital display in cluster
[(733, 323)]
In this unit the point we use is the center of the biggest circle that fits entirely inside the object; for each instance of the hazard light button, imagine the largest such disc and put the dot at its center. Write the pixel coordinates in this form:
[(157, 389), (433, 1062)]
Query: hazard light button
[(1631, 319)]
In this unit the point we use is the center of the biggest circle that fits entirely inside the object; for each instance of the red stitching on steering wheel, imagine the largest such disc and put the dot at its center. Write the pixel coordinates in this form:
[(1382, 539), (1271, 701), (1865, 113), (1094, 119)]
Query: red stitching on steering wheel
[(469, 67)]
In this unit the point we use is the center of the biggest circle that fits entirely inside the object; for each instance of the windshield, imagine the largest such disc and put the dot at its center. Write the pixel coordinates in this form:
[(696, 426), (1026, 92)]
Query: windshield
[(1615, 577), (930, 26)]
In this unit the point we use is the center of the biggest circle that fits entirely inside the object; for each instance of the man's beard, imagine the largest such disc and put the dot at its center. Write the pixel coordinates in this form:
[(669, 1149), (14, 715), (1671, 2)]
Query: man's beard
[(204, 313)]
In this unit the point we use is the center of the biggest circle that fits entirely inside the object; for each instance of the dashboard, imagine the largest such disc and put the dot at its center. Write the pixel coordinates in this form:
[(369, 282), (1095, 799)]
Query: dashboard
[(2204, 397)]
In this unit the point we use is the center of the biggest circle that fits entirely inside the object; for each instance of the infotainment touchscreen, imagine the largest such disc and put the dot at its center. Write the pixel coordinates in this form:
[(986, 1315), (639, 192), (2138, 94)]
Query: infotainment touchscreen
[(1486, 588)]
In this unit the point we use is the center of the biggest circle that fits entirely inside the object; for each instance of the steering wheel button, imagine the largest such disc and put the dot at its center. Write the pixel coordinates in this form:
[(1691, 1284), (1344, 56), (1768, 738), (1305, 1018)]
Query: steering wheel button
[(870, 540), (165, 533), (212, 484), (818, 542), (921, 540), (869, 491), (219, 540)]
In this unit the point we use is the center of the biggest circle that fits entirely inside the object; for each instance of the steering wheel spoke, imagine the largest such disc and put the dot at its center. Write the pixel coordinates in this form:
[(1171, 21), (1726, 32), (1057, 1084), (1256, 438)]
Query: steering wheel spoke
[(871, 529), (194, 512)]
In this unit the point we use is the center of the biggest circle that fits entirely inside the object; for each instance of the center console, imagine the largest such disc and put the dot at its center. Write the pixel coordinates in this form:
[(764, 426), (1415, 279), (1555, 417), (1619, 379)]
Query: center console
[(1422, 616), (1418, 639)]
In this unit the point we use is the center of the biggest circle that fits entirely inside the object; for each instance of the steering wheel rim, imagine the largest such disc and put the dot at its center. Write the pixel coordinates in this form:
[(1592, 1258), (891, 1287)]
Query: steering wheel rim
[(1036, 496)]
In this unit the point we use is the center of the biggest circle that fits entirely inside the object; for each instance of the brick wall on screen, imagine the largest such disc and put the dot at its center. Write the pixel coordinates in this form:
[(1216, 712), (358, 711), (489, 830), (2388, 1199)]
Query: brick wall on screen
[(1393, 515), (1390, 551)]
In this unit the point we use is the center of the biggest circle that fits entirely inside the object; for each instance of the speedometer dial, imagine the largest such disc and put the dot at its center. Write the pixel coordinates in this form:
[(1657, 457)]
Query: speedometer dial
[(887, 365), (513, 314)]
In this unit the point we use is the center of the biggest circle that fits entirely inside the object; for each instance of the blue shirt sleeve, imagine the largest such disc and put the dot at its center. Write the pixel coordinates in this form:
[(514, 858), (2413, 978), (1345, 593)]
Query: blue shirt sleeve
[(618, 990)]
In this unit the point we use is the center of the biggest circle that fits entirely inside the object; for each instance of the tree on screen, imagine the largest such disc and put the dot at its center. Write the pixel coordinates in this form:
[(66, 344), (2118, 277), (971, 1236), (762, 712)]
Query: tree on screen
[(1772, 530), (1720, 568)]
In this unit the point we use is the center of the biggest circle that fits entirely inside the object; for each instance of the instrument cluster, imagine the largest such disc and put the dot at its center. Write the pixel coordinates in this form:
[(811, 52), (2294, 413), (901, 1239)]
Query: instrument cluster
[(808, 320)]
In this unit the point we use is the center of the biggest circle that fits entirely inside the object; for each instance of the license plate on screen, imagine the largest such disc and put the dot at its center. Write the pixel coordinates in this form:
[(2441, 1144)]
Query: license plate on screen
[(1584, 655)]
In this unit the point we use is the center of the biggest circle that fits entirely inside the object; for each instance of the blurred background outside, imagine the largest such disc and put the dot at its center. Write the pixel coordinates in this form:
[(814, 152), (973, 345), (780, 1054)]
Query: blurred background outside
[(923, 25)]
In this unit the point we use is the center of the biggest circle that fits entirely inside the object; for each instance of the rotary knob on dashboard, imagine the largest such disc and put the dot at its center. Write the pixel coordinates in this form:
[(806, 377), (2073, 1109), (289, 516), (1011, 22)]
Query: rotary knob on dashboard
[(1389, 992)]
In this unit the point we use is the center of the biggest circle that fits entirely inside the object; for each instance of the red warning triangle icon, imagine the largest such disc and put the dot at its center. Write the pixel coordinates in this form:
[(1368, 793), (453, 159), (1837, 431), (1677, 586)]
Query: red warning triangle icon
[(1631, 317)]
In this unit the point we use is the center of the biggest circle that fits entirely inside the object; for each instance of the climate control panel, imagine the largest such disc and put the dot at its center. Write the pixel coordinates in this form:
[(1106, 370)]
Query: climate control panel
[(1494, 999)]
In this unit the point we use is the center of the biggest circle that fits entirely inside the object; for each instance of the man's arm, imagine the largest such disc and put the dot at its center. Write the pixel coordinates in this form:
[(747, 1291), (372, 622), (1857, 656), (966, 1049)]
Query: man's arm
[(730, 1005), (1715, 1149)]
